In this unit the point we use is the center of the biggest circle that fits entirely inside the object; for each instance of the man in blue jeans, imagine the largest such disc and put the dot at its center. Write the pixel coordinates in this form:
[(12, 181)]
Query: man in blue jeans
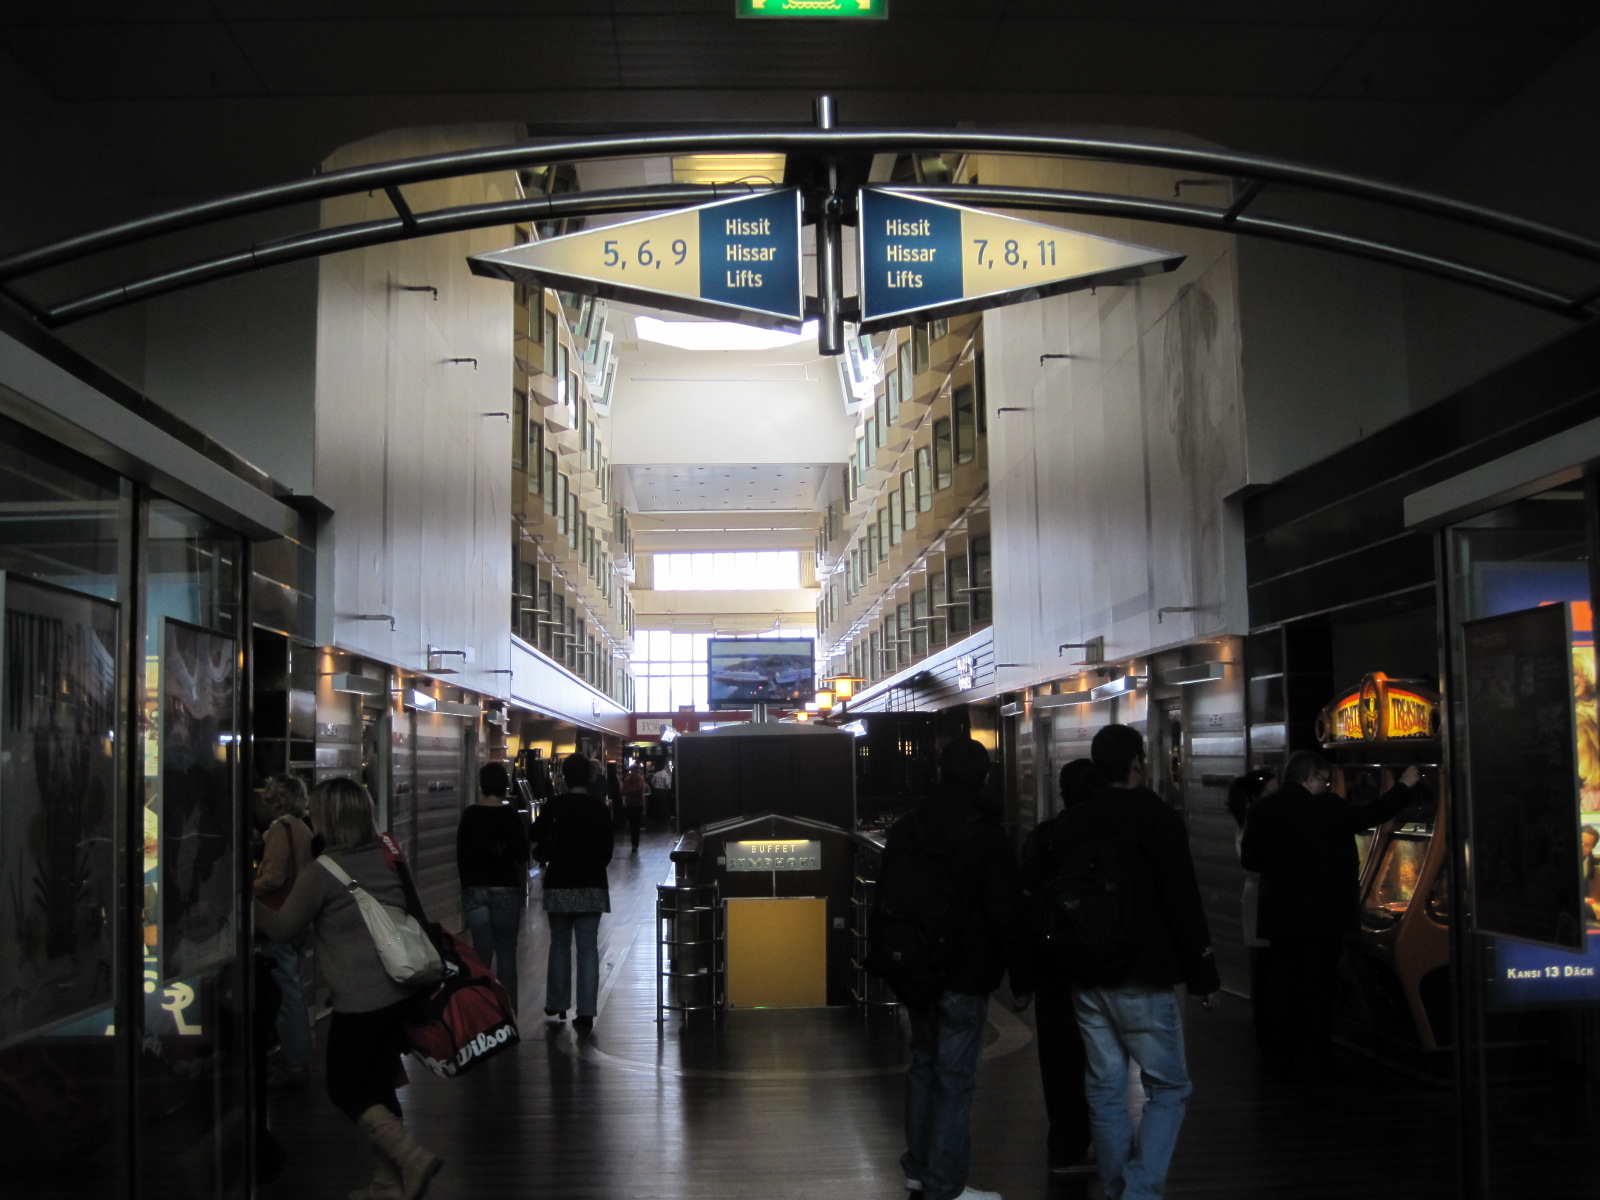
[(1130, 1010), (985, 939)]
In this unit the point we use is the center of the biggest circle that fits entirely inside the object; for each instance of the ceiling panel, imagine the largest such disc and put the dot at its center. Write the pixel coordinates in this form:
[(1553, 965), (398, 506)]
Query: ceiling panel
[(1168, 59), (482, 54), (691, 487), (680, 52), (113, 61), (1417, 63)]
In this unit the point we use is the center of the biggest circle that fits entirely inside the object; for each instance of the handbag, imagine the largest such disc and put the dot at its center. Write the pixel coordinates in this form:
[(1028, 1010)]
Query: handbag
[(407, 952), (468, 1017)]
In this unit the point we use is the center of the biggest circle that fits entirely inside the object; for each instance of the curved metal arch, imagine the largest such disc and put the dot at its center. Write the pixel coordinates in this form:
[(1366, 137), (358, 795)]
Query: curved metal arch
[(819, 144)]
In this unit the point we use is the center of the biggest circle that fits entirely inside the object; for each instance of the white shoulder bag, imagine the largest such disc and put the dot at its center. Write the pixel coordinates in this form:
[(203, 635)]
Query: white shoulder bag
[(404, 948)]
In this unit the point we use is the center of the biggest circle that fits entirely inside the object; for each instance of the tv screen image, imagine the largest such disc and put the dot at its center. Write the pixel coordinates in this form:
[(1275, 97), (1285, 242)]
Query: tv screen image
[(746, 671)]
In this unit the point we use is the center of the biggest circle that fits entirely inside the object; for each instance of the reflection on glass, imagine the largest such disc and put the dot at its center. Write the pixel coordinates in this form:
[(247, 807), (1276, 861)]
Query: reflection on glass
[(57, 822)]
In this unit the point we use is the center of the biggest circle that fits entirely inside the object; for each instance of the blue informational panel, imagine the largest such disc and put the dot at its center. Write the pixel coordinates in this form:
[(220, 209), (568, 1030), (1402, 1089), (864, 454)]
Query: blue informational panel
[(1527, 975), (749, 254)]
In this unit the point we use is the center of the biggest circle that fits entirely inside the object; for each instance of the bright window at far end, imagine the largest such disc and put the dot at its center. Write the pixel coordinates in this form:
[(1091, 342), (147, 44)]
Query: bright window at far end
[(722, 571)]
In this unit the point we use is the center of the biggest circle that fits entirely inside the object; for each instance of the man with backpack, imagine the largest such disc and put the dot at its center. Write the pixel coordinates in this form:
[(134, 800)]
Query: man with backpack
[(1123, 921), (947, 924)]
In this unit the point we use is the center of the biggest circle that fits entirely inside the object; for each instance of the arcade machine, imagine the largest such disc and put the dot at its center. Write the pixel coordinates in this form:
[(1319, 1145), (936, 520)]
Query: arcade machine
[(1396, 1000)]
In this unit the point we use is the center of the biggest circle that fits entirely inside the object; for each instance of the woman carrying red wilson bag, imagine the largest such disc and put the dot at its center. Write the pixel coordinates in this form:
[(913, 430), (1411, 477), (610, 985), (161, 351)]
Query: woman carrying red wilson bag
[(467, 1017), (366, 1033)]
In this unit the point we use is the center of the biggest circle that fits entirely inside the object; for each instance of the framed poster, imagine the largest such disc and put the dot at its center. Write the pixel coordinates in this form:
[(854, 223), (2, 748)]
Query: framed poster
[(197, 815), (58, 804), (1522, 776)]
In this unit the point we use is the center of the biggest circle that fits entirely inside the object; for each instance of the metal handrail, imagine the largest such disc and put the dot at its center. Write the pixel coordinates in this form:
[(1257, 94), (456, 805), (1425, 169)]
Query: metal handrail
[(1254, 170)]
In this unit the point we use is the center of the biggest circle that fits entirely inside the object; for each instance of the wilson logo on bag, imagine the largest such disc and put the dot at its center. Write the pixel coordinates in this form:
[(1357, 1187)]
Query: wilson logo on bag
[(465, 1020)]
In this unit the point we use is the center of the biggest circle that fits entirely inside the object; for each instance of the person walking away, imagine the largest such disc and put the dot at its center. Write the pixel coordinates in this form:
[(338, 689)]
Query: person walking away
[(661, 791), (285, 855), (1069, 1146), (1301, 841), (1124, 1001), (635, 793), (366, 1031), (574, 841), (1243, 794), (492, 861), (982, 924)]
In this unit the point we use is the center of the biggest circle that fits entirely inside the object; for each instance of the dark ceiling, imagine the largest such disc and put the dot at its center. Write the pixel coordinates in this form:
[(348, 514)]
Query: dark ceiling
[(209, 96)]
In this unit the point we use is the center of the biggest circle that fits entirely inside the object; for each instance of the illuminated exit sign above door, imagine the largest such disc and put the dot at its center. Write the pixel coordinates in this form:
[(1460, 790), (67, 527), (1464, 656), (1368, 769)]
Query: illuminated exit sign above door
[(874, 10)]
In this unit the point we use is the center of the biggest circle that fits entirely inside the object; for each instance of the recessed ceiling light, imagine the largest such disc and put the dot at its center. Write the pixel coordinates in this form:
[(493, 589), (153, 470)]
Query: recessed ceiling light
[(718, 335)]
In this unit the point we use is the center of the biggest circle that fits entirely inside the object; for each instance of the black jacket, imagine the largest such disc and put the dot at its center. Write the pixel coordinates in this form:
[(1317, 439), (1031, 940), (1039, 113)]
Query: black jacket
[(1303, 846), (574, 839), (990, 941), (1175, 941)]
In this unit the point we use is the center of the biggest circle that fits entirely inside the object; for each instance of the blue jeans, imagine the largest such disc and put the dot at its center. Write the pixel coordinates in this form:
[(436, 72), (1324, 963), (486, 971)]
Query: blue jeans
[(946, 1038), (494, 915), (564, 929), (294, 1021), (1145, 1024)]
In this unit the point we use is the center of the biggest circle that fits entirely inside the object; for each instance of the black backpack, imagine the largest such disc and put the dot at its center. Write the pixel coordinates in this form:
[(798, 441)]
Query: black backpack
[(913, 928), (1089, 909)]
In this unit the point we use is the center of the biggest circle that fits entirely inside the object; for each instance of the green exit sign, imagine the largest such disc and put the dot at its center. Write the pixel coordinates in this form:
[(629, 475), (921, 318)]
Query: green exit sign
[(873, 10)]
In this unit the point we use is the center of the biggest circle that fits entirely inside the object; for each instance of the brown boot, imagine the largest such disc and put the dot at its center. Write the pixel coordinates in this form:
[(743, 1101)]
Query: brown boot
[(386, 1183), (417, 1164)]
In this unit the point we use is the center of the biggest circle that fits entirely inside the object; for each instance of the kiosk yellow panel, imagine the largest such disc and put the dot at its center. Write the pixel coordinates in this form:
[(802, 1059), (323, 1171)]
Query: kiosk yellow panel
[(777, 953)]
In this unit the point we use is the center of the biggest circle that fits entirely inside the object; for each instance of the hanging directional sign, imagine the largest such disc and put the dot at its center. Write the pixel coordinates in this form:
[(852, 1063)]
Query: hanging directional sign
[(921, 259), (737, 260)]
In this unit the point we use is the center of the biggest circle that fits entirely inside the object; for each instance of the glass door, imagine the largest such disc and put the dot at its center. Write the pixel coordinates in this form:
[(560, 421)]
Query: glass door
[(1529, 1010)]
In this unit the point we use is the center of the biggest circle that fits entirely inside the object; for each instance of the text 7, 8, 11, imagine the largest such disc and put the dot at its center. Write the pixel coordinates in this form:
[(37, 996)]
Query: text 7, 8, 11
[(1011, 252)]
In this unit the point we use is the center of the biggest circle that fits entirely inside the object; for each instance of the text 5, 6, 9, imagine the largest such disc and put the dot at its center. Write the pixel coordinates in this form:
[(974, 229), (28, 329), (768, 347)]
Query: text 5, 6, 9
[(643, 256)]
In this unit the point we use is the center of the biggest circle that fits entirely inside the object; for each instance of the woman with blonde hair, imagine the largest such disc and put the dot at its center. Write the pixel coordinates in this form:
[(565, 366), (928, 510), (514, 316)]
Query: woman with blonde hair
[(365, 1033)]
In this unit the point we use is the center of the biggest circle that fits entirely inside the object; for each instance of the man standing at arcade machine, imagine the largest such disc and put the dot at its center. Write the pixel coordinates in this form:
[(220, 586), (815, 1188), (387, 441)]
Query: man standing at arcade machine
[(1301, 841)]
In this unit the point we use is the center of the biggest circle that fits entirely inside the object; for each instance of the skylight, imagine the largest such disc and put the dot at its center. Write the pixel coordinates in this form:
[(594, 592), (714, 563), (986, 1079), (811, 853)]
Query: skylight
[(718, 335)]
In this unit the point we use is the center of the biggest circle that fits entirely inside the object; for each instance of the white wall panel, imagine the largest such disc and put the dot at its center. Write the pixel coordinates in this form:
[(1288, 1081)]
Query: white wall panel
[(416, 473), (1108, 490)]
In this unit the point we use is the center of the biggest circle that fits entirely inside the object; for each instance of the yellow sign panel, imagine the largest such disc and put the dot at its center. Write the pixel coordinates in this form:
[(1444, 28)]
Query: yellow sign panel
[(777, 953), (736, 259)]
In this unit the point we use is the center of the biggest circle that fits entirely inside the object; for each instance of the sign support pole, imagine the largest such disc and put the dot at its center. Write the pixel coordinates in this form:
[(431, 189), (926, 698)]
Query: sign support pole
[(830, 254)]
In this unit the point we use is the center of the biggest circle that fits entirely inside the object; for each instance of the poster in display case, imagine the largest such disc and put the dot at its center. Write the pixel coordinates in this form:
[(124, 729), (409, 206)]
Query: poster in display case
[(1523, 773), (198, 735), (58, 786)]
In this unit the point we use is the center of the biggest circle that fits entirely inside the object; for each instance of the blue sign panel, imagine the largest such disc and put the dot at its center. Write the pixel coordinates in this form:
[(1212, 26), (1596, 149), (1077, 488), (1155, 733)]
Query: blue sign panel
[(910, 254), (1530, 976), (749, 254)]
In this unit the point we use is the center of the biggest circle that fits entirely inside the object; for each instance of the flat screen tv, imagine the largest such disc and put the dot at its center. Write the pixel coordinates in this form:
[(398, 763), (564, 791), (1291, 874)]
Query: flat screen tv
[(746, 671)]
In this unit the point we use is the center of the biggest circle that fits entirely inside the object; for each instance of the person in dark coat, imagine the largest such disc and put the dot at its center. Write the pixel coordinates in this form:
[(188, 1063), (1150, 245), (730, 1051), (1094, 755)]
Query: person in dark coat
[(573, 839), (1061, 1058), (492, 863), (988, 941), (1129, 1011), (1301, 841)]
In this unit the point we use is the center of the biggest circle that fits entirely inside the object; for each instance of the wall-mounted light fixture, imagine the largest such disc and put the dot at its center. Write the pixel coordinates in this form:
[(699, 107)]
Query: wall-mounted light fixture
[(1125, 686), (418, 701), (435, 652), (359, 685), (1206, 672), (374, 617)]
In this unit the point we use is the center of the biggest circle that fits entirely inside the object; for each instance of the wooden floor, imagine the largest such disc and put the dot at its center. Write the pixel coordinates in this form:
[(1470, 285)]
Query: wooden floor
[(773, 1104)]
